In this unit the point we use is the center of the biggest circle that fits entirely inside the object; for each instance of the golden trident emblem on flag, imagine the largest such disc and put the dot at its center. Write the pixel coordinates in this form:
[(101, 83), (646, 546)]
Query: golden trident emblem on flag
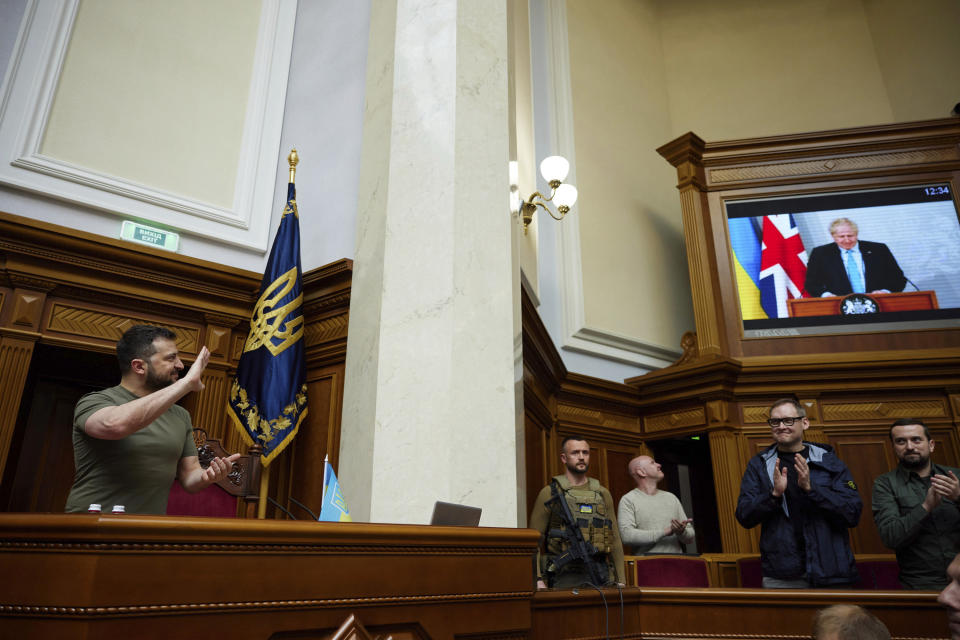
[(268, 323)]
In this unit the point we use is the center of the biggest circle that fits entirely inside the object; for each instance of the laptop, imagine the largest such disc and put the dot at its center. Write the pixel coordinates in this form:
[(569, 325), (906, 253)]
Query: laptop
[(448, 514)]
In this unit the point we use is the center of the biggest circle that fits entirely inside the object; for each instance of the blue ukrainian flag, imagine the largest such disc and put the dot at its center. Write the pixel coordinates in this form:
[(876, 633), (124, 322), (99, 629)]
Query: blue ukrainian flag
[(745, 241), (334, 507), (268, 397)]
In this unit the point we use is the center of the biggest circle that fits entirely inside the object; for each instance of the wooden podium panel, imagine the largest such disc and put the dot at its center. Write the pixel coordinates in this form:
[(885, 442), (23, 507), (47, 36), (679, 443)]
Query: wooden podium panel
[(724, 614), (109, 577), (830, 306)]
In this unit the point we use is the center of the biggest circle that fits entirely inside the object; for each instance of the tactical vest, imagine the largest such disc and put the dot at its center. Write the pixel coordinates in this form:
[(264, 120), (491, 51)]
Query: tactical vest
[(590, 511)]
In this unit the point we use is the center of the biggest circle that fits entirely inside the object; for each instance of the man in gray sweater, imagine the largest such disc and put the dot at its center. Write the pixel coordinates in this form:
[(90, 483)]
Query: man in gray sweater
[(652, 521)]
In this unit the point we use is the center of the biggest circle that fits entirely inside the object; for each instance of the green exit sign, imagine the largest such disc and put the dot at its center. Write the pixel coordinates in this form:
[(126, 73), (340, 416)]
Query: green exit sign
[(143, 234)]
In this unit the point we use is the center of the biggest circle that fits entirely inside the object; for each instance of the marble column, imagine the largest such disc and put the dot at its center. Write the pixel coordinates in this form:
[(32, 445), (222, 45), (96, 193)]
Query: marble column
[(430, 408)]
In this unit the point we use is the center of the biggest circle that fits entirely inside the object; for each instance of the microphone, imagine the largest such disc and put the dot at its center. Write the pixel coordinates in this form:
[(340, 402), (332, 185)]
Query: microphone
[(304, 507), (911, 282), (280, 506)]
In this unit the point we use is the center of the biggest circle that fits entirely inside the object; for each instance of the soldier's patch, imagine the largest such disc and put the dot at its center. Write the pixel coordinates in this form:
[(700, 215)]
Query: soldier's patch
[(586, 508)]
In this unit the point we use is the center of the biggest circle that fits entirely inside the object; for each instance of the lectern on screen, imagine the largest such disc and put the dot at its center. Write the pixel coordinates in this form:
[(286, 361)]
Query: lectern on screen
[(772, 238)]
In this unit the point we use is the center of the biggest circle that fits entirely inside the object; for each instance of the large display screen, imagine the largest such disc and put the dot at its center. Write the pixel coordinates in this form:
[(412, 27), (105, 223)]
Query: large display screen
[(869, 260)]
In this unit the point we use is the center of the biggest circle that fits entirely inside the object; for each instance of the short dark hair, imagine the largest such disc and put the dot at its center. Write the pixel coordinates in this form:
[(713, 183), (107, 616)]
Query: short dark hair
[(563, 443), (801, 412), (137, 343), (849, 622), (902, 422)]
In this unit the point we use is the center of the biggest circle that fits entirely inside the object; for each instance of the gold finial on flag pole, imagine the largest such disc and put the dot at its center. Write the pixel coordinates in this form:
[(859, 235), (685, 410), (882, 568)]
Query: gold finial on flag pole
[(294, 160)]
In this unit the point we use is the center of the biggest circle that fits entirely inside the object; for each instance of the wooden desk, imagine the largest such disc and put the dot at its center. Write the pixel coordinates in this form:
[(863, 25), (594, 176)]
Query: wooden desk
[(110, 577), (830, 306)]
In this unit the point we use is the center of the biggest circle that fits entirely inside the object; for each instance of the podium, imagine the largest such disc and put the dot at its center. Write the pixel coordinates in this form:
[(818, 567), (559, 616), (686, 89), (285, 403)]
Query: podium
[(830, 306)]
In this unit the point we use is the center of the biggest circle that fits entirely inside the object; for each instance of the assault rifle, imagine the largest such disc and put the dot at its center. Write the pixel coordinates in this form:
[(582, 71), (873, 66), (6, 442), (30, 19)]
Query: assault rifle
[(579, 549)]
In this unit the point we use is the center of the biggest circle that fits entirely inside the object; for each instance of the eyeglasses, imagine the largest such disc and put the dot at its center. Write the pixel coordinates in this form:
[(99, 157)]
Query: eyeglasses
[(787, 422)]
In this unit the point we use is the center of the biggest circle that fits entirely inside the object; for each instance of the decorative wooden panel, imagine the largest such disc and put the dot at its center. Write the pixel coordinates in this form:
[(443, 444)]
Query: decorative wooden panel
[(135, 577), (85, 322), (728, 471), (867, 457), (651, 613), (619, 481), (15, 356), (326, 330), (883, 410), (675, 420), (832, 166)]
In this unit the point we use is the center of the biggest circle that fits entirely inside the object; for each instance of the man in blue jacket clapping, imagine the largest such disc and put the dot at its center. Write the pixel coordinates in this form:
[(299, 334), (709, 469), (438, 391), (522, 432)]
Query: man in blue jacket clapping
[(805, 500)]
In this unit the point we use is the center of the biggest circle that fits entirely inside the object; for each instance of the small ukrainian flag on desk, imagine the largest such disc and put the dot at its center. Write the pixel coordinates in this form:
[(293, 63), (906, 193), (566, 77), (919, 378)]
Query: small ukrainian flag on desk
[(334, 507)]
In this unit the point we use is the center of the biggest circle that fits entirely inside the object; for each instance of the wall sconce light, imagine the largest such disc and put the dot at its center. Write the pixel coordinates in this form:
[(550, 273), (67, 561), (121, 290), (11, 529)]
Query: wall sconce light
[(553, 169)]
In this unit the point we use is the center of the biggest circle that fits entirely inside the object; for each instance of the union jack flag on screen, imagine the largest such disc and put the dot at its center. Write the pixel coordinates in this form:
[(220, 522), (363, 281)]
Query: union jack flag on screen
[(783, 264)]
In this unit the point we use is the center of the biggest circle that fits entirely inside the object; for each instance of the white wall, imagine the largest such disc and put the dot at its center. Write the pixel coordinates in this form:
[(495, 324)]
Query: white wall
[(322, 117)]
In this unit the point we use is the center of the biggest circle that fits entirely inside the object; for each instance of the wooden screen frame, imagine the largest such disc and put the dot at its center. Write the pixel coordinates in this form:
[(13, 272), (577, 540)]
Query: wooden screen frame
[(842, 160)]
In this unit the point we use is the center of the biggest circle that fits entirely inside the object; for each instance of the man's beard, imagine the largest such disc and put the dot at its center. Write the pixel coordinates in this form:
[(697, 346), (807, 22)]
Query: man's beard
[(155, 382), (915, 464), (572, 467)]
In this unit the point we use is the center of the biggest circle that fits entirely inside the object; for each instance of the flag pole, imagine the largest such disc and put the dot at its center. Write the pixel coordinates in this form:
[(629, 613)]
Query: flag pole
[(326, 465), (293, 160)]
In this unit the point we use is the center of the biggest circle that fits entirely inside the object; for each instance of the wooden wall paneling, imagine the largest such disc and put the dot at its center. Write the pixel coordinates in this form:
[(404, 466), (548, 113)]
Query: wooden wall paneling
[(16, 350), (44, 473), (867, 456), (318, 437), (687, 157), (535, 457), (945, 449), (619, 481), (728, 467)]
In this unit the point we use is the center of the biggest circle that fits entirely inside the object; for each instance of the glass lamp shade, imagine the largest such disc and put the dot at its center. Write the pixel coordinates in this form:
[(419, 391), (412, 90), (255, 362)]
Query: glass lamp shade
[(554, 168), (565, 196), (514, 201), (514, 171)]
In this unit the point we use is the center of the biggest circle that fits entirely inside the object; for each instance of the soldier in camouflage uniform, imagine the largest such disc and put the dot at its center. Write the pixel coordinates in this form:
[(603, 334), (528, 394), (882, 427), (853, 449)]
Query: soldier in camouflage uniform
[(591, 505)]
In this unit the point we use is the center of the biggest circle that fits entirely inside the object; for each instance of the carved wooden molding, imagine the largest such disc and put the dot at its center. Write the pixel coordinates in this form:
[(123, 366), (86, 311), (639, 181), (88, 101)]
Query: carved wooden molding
[(325, 330), (718, 412), (756, 414), (220, 320), (653, 635), (725, 454), (15, 357), (675, 420), (573, 414), (883, 410), (691, 349), (27, 309), (85, 322), (217, 340), (832, 165), (117, 611), (255, 548), (21, 281)]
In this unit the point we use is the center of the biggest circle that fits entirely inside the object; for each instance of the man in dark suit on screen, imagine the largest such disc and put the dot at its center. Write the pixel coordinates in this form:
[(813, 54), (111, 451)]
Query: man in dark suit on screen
[(851, 266)]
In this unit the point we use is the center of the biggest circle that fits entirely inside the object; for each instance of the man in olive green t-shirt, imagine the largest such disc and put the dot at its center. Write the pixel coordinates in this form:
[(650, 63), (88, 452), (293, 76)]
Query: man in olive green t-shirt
[(132, 440)]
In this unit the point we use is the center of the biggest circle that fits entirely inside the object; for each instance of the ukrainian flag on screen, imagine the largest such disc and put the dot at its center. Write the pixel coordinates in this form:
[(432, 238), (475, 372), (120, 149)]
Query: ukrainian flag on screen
[(334, 507), (746, 260)]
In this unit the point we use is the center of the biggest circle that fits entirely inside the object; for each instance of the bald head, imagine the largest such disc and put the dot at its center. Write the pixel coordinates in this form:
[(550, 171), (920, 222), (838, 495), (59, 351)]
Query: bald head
[(645, 472), (637, 463), (848, 622)]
